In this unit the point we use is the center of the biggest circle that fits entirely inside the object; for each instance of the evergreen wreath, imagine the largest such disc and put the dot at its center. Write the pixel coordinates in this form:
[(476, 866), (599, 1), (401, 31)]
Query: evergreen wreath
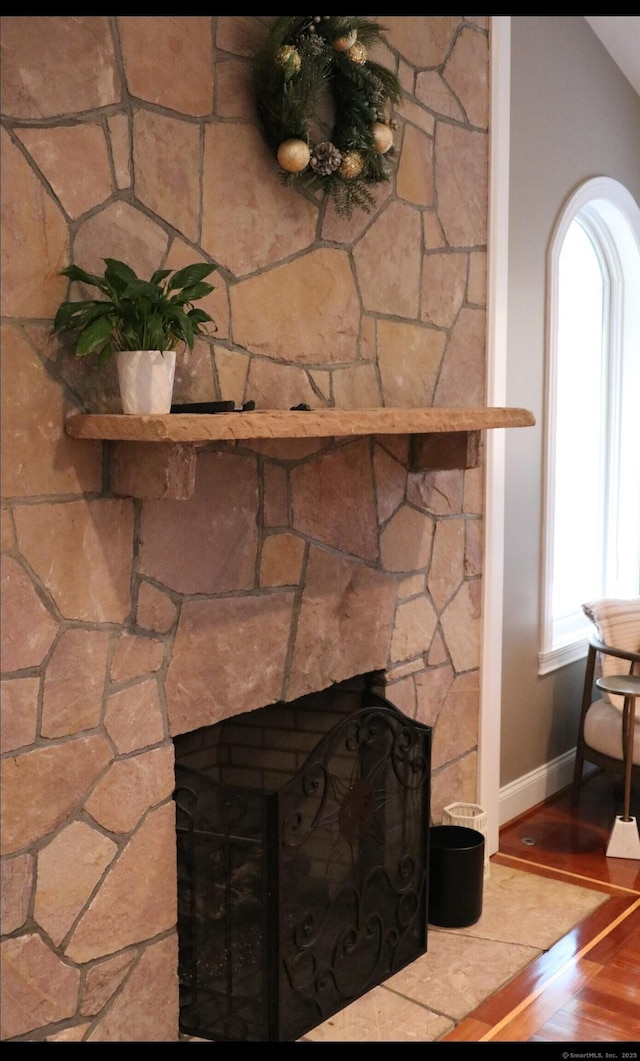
[(306, 59)]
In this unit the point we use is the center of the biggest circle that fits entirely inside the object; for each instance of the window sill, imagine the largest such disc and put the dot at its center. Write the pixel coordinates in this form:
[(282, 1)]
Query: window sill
[(556, 658)]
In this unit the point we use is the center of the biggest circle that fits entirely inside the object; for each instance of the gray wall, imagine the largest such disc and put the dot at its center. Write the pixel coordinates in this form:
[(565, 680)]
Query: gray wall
[(574, 116)]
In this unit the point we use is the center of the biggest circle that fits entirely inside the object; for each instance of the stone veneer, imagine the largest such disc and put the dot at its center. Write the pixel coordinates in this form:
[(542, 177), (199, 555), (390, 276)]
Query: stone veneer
[(296, 563)]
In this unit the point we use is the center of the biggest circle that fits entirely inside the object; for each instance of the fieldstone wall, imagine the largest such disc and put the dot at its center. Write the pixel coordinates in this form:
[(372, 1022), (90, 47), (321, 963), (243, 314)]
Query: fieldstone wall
[(296, 563)]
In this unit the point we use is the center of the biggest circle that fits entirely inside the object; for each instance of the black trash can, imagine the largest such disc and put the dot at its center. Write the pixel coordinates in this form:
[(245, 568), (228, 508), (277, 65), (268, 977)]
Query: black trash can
[(456, 876)]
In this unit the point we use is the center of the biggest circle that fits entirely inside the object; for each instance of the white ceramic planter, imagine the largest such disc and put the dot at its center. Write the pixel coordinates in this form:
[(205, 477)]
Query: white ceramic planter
[(146, 380)]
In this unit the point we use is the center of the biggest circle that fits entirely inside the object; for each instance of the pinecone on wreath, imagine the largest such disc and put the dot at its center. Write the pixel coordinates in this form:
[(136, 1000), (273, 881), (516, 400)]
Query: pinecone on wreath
[(311, 42), (325, 159)]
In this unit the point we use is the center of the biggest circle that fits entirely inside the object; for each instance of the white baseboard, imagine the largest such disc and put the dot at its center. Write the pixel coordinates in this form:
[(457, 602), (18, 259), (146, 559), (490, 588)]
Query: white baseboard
[(525, 792)]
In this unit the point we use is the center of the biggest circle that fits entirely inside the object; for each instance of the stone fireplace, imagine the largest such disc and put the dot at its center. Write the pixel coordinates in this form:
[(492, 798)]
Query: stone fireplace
[(294, 563), (257, 589)]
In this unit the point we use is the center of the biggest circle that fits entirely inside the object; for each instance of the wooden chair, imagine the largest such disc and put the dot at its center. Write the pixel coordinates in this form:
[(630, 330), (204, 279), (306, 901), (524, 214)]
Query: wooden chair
[(600, 735)]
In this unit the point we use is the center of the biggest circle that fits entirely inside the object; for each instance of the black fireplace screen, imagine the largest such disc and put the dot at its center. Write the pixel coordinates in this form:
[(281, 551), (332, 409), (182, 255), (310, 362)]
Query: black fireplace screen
[(302, 835)]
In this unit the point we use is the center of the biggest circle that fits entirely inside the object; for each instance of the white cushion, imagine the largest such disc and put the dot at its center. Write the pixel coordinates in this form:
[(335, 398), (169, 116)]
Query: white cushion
[(617, 623), (603, 731)]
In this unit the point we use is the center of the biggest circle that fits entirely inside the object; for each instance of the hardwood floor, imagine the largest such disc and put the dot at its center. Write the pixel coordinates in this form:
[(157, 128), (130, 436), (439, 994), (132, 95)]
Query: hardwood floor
[(586, 988)]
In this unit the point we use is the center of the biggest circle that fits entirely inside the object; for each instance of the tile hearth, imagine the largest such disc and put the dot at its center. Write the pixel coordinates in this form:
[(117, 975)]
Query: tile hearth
[(523, 915)]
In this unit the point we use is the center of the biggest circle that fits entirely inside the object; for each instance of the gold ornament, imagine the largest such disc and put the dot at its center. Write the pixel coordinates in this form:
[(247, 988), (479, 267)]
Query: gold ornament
[(342, 44), (289, 55), (293, 155), (352, 164), (358, 53), (382, 137)]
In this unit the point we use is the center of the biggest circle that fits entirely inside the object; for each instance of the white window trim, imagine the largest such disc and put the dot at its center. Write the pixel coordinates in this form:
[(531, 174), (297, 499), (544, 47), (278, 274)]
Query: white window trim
[(608, 190)]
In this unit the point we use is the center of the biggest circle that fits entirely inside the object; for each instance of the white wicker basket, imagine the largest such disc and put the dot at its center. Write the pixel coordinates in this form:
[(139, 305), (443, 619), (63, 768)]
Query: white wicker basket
[(471, 816)]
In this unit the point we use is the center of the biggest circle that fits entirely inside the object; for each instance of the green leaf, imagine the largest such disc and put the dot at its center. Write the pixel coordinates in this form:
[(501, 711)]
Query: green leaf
[(192, 294), (94, 336), (75, 316), (118, 276), (142, 290), (73, 272), (160, 275), (156, 335), (63, 317), (191, 274), (118, 270), (198, 316)]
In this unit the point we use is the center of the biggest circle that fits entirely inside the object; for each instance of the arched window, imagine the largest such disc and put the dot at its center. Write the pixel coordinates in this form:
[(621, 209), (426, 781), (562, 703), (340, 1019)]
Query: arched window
[(591, 530)]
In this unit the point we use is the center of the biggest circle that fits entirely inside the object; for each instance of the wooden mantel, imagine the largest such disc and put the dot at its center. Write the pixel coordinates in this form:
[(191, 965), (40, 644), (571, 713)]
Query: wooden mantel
[(440, 438), (282, 423)]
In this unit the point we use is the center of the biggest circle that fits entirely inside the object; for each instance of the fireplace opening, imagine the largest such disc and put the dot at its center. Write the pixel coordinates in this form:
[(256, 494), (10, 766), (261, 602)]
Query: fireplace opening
[(302, 839)]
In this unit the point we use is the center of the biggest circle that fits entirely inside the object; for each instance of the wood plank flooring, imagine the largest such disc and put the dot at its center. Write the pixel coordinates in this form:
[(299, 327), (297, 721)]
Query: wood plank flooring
[(586, 988)]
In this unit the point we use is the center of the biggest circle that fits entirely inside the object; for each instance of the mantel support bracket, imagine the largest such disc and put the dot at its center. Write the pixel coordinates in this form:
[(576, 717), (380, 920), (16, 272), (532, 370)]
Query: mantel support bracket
[(445, 450), (152, 471)]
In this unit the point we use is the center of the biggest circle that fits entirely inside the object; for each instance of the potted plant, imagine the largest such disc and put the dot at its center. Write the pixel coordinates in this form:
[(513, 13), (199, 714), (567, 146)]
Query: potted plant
[(140, 322)]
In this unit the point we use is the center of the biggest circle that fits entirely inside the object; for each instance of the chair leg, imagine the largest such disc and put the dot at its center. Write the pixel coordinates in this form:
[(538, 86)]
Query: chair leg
[(577, 778), (628, 726), (590, 670)]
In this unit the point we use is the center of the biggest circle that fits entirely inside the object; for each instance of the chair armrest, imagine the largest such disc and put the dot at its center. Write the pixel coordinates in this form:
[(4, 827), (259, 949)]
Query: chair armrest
[(610, 650)]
